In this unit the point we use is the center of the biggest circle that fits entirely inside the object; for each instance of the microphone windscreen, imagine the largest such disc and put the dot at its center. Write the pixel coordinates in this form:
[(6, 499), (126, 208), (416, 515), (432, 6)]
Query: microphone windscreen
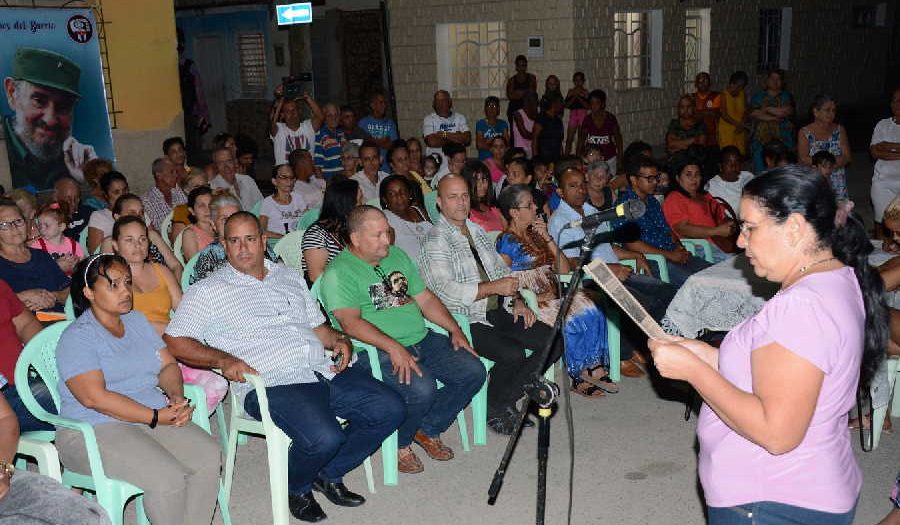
[(634, 209)]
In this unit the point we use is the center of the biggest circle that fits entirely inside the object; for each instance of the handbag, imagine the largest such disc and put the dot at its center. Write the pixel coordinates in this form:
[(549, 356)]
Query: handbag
[(727, 244)]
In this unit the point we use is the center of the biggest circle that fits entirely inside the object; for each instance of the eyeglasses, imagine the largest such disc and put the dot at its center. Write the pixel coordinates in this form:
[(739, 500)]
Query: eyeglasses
[(15, 223), (649, 178), (284, 177), (531, 204)]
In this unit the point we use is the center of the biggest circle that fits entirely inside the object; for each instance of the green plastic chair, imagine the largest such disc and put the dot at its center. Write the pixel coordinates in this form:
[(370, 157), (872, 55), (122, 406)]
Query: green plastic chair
[(165, 228), (277, 444), (692, 245), (431, 206), (389, 447), (256, 207), (43, 452), (176, 247), (880, 414), (288, 248), (82, 240), (188, 272), (112, 494), (309, 217)]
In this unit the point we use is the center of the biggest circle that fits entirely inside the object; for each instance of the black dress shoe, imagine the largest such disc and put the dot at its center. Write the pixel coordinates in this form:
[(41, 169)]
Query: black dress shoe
[(338, 493), (304, 507)]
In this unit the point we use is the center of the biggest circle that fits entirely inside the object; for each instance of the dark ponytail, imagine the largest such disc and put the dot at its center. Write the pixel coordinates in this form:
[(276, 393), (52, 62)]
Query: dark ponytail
[(799, 189)]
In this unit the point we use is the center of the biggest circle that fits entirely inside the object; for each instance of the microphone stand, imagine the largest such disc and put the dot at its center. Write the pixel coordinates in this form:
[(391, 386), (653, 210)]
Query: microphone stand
[(544, 394)]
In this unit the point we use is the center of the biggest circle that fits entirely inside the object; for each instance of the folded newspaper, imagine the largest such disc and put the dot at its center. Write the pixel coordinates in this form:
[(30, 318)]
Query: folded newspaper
[(614, 288)]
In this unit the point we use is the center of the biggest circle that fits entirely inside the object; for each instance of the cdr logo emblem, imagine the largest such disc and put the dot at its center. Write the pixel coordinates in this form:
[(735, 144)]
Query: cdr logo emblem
[(80, 29)]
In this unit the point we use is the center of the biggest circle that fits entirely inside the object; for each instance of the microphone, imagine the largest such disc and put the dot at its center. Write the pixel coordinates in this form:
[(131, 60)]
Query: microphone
[(633, 209)]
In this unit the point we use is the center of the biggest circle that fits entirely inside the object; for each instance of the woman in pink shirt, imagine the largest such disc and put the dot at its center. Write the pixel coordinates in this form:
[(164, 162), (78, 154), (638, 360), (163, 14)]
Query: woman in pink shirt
[(774, 446), (484, 212)]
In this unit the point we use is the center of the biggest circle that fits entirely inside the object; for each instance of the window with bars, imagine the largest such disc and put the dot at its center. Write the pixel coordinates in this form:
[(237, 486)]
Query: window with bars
[(637, 49), (696, 45), (773, 50), (252, 56), (472, 58)]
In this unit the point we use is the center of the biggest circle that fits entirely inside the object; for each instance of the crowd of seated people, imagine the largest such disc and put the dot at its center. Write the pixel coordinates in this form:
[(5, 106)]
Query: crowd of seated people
[(452, 240)]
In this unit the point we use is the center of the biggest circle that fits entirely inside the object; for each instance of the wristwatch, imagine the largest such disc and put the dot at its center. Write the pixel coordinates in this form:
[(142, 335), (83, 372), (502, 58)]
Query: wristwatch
[(7, 469)]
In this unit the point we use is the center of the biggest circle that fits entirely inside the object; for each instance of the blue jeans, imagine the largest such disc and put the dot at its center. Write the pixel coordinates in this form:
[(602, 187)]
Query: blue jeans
[(320, 447), (770, 513), (27, 421), (679, 273), (429, 408)]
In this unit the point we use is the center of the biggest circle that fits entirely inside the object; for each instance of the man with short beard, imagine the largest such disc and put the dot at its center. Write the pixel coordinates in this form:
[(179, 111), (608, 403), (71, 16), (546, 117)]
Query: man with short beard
[(42, 91)]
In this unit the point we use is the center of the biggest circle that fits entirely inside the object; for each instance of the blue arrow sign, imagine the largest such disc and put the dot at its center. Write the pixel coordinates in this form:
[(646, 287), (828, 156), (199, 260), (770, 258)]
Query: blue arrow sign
[(290, 14)]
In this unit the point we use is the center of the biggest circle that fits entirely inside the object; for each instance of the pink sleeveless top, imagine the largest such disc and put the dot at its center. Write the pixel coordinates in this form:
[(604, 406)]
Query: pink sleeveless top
[(518, 140)]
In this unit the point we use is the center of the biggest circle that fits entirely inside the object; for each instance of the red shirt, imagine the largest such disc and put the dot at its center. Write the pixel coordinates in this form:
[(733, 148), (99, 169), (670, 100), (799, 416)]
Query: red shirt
[(10, 344), (710, 100), (677, 208)]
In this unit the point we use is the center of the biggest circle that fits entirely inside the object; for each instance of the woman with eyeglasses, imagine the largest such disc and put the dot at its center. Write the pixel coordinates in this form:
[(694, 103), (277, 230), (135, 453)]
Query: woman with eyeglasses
[(117, 375), (773, 441), (32, 274), (280, 211), (534, 258)]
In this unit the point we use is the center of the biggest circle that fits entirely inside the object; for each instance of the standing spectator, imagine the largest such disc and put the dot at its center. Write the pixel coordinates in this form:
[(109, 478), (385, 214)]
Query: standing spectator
[(241, 186), (685, 130), (328, 143), (732, 126), (885, 147), (280, 211), (310, 187), (824, 134), (577, 103), (352, 131), (600, 128), (730, 181), (771, 110), (380, 129), (444, 127), (489, 127), (165, 193), (523, 123), (517, 86), (287, 131), (193, 100), (551, 90), (370, 176), (707, 107), (548, 132)]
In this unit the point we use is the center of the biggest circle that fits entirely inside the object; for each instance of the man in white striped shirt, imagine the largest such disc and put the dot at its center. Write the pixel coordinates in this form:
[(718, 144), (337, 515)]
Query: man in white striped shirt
[(254, 316)]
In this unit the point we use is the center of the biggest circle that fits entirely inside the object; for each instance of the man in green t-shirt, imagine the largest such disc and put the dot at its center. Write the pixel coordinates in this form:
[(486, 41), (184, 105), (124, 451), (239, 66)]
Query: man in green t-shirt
[(374, 291)]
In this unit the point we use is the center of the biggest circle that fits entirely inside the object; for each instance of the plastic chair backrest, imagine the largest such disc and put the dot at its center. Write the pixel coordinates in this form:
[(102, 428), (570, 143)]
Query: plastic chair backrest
[(256, 207), (691, 245), (69, 308), (288, 248), (82, 239), (308, 218), (40, 353), (431, 206), (176, 247), (165, 228), (188, 272)]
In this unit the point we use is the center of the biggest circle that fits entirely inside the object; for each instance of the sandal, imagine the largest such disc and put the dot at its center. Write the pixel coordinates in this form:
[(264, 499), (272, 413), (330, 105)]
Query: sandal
[(603, 383), (585, 389)]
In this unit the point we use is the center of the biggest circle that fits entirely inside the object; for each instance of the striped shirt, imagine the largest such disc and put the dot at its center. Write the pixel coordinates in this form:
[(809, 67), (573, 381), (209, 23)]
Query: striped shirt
[(451, 272), (268, 324), (327, 153)]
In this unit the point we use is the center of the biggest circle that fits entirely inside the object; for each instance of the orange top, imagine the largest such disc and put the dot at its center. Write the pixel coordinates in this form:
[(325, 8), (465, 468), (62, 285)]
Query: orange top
[(155, 304)]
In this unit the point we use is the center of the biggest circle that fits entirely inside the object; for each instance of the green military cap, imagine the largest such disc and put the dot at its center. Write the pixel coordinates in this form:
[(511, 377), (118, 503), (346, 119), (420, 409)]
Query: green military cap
[(46, 68)]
